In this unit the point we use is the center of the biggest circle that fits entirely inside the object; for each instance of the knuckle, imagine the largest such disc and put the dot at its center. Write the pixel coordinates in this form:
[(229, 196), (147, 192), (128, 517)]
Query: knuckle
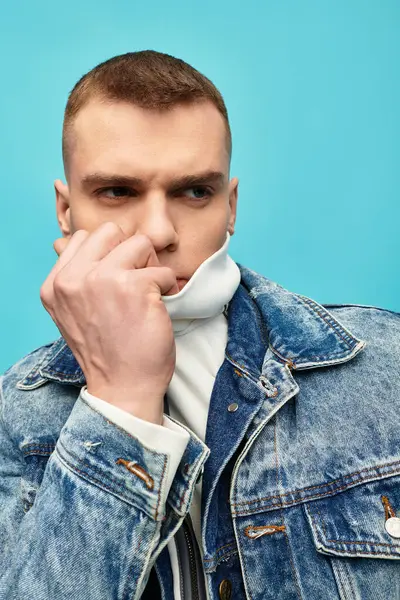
[(122, 278), (58, 284), (111, 235), (45, 295), (93, 278), (110, 228), (142, 240), (64, 285), (105, 277), (169, 271), (80, 234), (98, 279)]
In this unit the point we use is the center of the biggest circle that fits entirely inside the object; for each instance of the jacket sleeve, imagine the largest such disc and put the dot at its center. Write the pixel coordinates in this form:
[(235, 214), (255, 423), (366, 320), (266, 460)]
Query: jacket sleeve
[(169, 435), (100, 516)]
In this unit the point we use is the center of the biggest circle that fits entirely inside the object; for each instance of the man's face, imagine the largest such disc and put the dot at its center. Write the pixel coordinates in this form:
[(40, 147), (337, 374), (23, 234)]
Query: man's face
[(162, 174)]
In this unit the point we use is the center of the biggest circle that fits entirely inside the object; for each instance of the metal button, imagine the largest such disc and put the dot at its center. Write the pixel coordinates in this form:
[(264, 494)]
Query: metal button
[(233, 407), (225, 590), (392, 526)]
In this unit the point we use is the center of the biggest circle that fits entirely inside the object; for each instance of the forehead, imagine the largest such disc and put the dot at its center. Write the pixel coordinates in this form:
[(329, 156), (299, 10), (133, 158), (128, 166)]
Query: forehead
[(118, 136)]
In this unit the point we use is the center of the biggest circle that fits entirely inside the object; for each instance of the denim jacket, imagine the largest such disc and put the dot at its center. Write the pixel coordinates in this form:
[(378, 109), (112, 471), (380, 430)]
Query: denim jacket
[(301, 481)]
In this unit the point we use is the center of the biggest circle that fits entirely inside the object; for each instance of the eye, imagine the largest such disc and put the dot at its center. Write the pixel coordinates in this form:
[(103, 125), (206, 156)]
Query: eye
[(200, 192), (115, 192)]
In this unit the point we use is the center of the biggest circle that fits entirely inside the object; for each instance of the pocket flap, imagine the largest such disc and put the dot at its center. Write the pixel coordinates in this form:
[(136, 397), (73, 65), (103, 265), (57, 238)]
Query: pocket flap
[(352, 523)]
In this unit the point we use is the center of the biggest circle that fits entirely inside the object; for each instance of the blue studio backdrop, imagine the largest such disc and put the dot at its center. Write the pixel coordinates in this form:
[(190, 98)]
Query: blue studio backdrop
[(313, 94)]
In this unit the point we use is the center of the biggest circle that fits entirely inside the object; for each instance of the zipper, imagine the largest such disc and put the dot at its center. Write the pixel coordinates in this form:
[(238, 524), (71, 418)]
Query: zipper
[(189, 540), (192, 583), (192, 561), (181, 584)]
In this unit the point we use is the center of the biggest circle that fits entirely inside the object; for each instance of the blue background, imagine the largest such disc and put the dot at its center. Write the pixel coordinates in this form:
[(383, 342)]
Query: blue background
[(313, 93)]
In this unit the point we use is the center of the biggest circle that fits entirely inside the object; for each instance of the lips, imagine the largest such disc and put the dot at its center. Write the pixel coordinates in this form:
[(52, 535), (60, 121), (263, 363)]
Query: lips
[(181, 283)]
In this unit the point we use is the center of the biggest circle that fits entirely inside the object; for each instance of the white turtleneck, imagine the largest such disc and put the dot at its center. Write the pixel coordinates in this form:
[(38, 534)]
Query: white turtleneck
[(200, 330)]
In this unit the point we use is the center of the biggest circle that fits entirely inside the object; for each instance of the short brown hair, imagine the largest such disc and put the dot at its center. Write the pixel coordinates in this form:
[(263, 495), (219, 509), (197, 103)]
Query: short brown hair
[(148, 79)]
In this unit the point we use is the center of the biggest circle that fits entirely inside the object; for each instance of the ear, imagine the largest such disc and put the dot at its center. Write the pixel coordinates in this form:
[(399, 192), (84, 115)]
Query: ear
[(63, 207), (233, 198)]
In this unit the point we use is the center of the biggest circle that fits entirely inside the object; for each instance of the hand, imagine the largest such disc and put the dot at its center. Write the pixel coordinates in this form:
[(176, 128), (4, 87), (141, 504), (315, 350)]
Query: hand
[(104, 295)]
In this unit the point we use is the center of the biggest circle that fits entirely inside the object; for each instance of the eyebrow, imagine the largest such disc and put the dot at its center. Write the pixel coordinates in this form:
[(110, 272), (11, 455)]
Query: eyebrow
[(117, 180)]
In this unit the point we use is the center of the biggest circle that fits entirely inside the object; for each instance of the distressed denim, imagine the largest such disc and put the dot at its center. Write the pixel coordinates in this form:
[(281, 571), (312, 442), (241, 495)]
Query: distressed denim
[(298, 483)]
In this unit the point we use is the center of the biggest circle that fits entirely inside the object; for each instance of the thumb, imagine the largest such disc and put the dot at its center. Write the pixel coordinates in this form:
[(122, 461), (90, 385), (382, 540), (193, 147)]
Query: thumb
[(60, 244)]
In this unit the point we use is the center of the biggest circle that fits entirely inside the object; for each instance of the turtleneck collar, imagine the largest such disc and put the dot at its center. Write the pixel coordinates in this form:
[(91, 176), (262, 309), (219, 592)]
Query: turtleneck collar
[(207, 292)]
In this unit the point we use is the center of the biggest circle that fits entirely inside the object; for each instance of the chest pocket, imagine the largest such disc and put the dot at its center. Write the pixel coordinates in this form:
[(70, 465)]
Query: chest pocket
[(355, 527), (36, 458), (357, 522)]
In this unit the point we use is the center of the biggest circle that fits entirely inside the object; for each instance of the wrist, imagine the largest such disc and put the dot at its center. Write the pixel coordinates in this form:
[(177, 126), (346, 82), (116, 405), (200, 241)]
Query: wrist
[(148, 407)]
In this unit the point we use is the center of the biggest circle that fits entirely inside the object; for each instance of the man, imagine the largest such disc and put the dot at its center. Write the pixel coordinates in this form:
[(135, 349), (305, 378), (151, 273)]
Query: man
[(197, 431)]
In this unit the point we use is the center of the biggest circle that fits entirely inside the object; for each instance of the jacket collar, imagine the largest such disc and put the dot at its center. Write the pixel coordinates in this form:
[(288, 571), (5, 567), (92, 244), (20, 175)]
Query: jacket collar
[(298, 331)]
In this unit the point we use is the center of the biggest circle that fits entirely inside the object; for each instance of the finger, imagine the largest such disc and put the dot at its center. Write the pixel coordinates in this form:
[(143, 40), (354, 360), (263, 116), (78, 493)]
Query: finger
[(60, 244), (162, 279), (136, 252), (98, 244), (71, 248)]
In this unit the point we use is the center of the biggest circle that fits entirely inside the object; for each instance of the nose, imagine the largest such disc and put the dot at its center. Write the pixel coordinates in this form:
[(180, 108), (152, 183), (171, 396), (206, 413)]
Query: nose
[(156, 223)]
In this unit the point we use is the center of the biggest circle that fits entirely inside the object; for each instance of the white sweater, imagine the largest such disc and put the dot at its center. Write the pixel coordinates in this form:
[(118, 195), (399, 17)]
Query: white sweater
[(200, 330)]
